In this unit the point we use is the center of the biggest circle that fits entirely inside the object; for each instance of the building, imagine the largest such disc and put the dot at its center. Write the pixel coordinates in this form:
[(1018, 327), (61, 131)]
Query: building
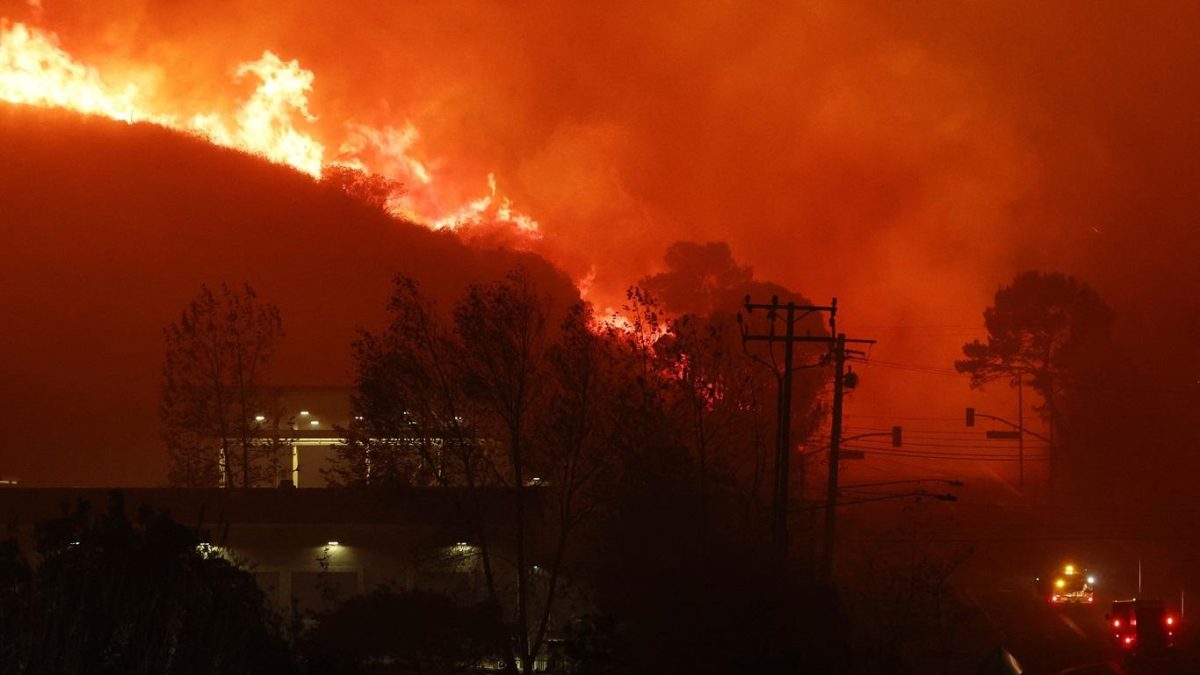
[(310, 548), (314, 417)]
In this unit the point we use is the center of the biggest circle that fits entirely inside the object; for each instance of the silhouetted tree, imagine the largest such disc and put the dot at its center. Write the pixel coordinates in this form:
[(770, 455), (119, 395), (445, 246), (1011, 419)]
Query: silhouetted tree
[(110, 595), (1047, 330), (721, 397), (502, 392), (210, 398), (670, 603), (369, 188)]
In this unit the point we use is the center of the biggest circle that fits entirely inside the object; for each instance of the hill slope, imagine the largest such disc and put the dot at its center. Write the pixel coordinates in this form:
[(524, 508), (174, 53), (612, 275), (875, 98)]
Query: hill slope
[(108, 231)]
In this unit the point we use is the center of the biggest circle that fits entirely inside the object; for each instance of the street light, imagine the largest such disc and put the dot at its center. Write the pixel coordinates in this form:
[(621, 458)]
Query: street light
[(897, 439), (896, 433)]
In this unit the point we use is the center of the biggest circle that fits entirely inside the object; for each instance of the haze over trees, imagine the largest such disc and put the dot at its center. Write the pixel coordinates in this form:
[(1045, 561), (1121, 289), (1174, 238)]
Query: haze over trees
[(212, 406)]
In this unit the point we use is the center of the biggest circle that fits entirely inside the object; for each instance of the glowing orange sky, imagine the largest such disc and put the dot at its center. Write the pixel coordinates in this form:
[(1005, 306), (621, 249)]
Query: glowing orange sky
[(905, 157)]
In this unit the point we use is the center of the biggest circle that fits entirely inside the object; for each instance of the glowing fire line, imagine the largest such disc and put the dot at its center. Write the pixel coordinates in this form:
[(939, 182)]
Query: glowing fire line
[(35, 70)]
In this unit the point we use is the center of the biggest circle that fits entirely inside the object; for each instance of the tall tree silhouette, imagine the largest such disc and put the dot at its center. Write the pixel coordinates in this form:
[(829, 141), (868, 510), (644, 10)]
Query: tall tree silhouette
[(1046, 330), (506, 390), (210, 401)]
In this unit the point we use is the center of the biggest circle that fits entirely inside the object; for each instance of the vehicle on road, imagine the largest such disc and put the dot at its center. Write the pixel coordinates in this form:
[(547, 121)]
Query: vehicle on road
[(1072, 585), (1142, 626)]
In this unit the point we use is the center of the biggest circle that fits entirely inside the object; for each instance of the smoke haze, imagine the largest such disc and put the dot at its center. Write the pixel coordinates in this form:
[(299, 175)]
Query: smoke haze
[(907, 158)]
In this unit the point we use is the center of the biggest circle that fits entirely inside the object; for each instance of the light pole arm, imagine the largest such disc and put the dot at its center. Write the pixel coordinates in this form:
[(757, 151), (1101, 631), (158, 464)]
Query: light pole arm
[(1018, 427), (873, 433)]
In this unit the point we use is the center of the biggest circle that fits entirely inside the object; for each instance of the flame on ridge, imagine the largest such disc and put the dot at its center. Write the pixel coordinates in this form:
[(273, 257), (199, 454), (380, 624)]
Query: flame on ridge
[(35, 70), (264, 123)]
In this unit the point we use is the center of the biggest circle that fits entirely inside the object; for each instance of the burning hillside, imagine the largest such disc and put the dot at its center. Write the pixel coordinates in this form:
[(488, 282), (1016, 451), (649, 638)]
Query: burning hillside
[(273, 121)]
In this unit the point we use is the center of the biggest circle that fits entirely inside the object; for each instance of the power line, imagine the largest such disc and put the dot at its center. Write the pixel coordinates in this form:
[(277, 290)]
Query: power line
[(902, 417), (910, 430), (910, 367), (1008, 457), (972, 446), (872, 443), (1085, 537)]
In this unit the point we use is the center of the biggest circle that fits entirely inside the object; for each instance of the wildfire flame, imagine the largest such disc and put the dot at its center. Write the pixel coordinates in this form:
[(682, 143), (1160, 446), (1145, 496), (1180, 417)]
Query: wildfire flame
[(34, 70), (263, 125), (487, 208), (274, 123)]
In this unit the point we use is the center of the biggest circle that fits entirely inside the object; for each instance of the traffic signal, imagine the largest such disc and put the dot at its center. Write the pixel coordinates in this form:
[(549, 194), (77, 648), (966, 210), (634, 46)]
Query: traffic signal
[(896, 431), (970, 417)]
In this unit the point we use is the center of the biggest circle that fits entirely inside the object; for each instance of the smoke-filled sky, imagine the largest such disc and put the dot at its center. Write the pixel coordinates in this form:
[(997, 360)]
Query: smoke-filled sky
[(844, 148), (907, 158)]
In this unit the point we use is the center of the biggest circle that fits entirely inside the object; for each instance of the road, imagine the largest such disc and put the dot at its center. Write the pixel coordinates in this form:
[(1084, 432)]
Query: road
[(1043, 638), (1013, 543), (1002, 541)]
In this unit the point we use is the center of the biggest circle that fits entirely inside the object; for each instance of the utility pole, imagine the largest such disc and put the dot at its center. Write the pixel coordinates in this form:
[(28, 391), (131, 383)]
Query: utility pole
[(1021, 430), (835, 446), (791, 313), (838, 342), (835, 452)]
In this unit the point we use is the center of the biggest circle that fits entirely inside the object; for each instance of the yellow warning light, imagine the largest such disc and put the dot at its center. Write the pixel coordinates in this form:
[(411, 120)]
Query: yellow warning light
[(1059, 583), (1069, 569)]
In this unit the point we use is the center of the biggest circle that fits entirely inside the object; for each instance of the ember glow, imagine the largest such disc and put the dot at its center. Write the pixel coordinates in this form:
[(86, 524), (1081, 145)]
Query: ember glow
[(274, 122)]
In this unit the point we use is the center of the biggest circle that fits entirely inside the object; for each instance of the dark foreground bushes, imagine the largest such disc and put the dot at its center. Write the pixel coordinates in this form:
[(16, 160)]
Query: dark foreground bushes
[(105, 594)]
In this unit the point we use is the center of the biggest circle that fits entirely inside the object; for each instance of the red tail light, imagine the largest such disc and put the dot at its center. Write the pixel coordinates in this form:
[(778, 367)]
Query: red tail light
[(1128, 640), (1116, 623), (1170, 621)]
